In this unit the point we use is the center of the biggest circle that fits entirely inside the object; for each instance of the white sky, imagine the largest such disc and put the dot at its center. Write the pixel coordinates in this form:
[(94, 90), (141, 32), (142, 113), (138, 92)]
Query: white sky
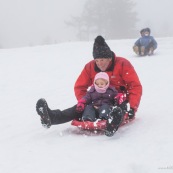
[(157, 14), (35, 20), (31, 22)]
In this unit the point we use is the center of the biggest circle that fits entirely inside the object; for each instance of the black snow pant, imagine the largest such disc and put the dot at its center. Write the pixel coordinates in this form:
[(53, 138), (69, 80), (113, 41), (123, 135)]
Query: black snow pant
[(69, 114), (91, 113), (66, 115)]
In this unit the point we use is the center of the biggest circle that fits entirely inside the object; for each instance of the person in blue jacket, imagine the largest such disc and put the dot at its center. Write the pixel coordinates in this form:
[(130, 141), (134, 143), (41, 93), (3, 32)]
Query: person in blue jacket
[(146, 44)]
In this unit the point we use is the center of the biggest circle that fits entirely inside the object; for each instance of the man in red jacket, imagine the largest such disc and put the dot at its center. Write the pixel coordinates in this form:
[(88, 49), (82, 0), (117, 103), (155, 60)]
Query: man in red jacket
[(122, 76)]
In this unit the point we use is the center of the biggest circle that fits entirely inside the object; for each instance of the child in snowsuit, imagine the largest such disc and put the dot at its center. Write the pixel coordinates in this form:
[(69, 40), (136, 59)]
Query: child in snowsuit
[(98, 100), (146, 44)]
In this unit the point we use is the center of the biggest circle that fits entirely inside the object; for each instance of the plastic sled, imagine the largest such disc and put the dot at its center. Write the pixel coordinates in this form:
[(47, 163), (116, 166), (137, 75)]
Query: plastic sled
[(101, 124), (98, 124)]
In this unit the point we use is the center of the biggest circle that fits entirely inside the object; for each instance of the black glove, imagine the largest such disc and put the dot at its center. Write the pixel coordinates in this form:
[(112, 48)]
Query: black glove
[(131, 113)]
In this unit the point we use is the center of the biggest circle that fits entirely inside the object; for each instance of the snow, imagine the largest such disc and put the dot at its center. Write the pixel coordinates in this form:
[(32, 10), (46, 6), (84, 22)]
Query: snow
[(30, 73)]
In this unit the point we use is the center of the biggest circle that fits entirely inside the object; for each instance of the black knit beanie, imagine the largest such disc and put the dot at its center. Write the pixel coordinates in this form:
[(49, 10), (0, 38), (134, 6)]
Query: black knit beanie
[(101, 49)]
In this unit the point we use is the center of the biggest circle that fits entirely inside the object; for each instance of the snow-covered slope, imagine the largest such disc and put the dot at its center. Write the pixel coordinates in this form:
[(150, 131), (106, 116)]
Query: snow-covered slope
[(27, 74)]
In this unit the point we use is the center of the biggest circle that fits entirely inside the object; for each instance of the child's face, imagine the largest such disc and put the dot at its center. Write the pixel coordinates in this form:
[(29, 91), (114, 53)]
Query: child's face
[(146, 33), (101, 83)]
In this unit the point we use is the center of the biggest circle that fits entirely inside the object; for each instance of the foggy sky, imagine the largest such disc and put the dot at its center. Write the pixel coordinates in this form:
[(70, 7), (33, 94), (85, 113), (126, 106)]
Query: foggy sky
[(156, 14), (35, 22)]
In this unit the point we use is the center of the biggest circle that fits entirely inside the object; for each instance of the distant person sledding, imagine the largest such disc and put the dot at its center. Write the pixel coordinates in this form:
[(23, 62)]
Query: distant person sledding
[(146, 44)]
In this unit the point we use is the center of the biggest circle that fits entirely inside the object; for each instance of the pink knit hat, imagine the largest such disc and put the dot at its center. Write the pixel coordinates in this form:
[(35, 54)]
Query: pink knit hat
[(101, 75)]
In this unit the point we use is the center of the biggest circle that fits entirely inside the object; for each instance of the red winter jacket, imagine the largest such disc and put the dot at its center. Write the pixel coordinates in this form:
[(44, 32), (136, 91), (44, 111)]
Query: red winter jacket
[(122, 75)]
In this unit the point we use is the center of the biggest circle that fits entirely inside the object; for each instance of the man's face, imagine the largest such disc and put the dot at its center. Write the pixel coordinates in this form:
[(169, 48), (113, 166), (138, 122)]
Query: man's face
[(103, 63)]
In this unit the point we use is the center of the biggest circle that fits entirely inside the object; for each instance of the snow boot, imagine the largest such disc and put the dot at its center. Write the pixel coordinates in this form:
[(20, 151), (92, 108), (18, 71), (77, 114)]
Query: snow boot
[(114, 121), (151, 51), (142, 51), (42, 110), (136, 49)]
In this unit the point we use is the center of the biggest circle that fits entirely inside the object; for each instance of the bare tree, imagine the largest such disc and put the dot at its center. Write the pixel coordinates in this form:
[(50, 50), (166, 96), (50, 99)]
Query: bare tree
[(114, 19)]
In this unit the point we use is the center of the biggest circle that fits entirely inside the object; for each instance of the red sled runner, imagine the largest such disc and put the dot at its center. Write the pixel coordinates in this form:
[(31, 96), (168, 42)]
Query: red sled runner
[(101, 124)]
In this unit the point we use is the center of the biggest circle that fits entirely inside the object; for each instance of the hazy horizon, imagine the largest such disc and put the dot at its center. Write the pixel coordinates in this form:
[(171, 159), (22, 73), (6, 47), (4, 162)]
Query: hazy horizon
[(30, 23)]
